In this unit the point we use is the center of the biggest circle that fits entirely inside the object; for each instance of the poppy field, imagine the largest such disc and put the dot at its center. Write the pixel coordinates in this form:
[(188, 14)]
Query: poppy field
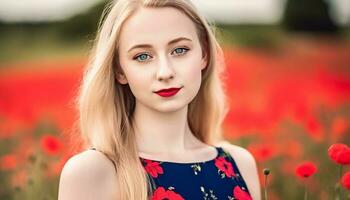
[(289, 106)]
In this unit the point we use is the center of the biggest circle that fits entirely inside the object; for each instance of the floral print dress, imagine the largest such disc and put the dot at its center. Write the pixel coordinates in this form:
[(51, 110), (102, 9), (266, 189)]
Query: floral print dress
[(215, 179)]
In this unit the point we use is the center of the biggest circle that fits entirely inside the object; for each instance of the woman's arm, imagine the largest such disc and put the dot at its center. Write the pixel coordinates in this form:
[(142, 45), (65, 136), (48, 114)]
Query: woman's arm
[(89, 175), (247, 166)]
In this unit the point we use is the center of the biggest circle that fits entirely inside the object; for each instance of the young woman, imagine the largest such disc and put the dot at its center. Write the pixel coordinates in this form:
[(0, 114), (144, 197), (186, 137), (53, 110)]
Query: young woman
[(151, 106)]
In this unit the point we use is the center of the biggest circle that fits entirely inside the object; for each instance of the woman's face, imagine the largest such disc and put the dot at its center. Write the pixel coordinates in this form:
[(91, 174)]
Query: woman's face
[(159, 49)]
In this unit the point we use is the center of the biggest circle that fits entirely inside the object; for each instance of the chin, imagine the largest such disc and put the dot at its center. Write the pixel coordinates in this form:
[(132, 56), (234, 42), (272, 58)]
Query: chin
[(171, 107)]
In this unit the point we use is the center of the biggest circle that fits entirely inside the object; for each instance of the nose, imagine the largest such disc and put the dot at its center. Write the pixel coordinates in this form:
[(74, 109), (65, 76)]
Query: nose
[(165, 69)]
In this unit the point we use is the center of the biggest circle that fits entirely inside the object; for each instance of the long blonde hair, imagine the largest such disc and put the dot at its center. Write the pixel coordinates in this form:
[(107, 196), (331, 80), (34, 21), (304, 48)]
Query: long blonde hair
[(106, 107)]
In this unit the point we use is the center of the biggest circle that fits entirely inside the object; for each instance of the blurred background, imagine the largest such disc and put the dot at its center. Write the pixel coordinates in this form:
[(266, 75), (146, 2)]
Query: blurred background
[(288, 68)]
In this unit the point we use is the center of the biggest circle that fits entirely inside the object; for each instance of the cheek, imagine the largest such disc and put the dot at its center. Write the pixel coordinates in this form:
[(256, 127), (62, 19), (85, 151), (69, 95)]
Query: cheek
[(193, 67), (135, 76), (131, 72), (137, 79)]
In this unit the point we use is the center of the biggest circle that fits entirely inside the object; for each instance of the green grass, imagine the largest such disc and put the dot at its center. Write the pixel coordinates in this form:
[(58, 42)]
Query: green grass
[(19, 45), (250, 36), (35, 43), (265, 36)]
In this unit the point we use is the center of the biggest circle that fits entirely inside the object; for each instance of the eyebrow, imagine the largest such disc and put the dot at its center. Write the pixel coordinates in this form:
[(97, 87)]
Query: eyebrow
[(149, 46)]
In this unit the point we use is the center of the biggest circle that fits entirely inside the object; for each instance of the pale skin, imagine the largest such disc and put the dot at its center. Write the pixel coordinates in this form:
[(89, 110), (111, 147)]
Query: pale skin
[(171, 59)]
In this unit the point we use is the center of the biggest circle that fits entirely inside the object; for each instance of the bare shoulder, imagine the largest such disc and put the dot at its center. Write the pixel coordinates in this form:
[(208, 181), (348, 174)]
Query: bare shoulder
[(238, 153), (87, 175), (247, 166)]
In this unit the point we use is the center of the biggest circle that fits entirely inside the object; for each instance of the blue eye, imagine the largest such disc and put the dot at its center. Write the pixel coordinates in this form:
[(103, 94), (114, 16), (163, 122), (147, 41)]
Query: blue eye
[(141, 57), (180, 50)]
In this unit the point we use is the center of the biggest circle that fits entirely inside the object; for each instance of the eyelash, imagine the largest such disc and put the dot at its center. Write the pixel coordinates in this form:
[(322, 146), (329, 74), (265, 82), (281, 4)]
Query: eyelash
[(184, 48)]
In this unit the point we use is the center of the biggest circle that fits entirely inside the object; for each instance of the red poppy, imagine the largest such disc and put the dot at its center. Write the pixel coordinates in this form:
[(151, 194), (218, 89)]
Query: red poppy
[(224, 166), (240, 194), (314, 128), (306, 169), (339, 153), (160, 194), (8, 162), (344, 157), (50, 144), (345, 180), (153, 168), (263, 152)]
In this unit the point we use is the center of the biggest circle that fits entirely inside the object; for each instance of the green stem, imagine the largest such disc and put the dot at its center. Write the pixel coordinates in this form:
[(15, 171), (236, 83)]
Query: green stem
[(305, 194), (266, 197), (339, 185)]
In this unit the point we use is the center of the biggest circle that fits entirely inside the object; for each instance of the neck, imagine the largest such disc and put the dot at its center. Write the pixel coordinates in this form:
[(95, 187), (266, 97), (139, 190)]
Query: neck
[(162, 132)]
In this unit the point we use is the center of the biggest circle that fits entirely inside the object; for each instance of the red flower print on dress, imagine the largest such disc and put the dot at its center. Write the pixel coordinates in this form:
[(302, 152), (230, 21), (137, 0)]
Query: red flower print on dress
[(153, 168), (161, 194), (240, 194), (224, 166)]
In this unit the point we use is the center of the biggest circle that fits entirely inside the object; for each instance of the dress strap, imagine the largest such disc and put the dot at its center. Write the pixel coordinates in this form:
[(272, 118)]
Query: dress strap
[(219, 149)]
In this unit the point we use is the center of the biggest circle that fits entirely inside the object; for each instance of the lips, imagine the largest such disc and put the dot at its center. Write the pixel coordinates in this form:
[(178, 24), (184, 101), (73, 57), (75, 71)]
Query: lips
[(167, 92)]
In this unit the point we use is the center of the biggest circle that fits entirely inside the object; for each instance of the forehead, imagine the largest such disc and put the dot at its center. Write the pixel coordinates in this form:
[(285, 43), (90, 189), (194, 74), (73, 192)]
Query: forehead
[(156, 26)]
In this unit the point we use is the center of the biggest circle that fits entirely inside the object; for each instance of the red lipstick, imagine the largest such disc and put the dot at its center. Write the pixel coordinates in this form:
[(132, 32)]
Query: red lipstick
[(167, 92)]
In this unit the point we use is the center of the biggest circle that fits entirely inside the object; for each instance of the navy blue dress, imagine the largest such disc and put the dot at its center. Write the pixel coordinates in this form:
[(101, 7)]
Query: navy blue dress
[(215, 179)]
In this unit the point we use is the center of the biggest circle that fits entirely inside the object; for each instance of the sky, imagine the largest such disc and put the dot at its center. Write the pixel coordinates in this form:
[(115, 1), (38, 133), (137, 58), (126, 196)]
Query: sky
[(225, 11)]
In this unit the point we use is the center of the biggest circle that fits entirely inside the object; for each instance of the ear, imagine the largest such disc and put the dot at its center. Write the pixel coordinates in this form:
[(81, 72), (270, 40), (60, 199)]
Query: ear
[(204, 61), (121, 78)]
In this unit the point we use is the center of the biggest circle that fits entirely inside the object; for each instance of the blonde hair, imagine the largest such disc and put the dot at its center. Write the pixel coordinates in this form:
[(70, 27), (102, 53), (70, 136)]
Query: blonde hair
[(106, 107)]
